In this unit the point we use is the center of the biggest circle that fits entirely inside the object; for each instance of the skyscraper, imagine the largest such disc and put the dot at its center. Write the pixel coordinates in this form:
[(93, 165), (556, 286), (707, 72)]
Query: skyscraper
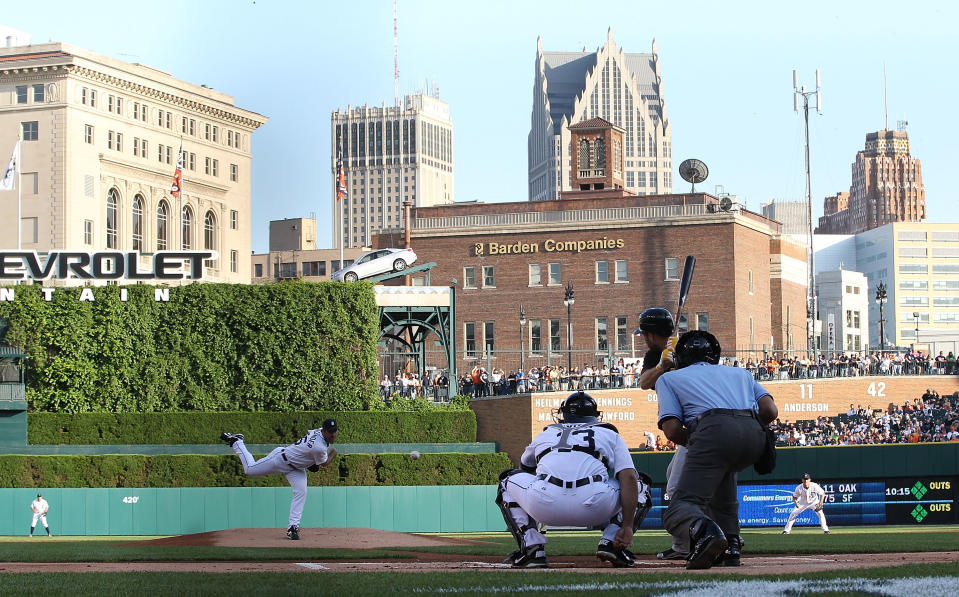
[(391, 155), (886, 188), (624, 89)]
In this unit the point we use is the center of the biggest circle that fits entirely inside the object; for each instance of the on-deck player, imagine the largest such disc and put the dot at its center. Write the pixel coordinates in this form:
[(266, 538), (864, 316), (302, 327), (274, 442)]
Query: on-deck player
[(807, 495), (565, 481), (310, 452)]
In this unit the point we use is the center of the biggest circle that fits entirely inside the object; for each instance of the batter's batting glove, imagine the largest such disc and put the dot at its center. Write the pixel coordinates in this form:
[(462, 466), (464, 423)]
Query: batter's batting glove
[(668, 358)]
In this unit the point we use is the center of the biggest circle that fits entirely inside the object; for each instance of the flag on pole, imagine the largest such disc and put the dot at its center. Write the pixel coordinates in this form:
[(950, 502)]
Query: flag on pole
[(9, 176), (340, 178), (178, 175)]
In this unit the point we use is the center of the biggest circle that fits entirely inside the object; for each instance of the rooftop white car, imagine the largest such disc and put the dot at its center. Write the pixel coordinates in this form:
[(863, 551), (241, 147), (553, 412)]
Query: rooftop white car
[(377, 262)]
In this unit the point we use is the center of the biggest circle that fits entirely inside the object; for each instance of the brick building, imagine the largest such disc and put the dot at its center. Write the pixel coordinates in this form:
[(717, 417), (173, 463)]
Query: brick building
[(621, 254), (886, 188)]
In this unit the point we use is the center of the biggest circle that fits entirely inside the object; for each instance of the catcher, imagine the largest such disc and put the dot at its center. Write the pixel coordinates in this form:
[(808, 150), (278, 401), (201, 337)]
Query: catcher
[(565, 481), (808, 495), (310, 452)]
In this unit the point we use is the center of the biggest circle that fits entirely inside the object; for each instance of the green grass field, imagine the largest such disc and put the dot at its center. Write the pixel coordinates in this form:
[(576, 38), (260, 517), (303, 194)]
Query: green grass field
[(923, 580)]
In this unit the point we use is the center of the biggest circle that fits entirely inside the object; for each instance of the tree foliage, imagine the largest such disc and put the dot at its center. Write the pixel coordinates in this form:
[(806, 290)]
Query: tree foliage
[(213, 347)]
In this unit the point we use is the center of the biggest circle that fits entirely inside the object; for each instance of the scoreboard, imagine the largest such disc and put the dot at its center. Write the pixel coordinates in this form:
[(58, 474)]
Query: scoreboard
[(900, 501)]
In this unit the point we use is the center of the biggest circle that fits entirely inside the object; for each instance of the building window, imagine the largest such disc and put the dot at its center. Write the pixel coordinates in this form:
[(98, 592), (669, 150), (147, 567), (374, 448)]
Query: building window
[(21, 94), (137, 223), (489, 337), (235, 220), (112, 203), (93, 98), (234, 258), (602, 272), (88, 232), (470, 338), (258, 270), (234, 172), (206, 132), (622, 275), (489, 277), (38, 94), (622, 332), (583, 154), (216, 167), (216, 130), (535, 336), (752, 286), (535, 274), (469, 276), (162, 216), (702, 321), (31, 130), (88, 133), (602, 334), (209, 231), (186, 230), (672, 268), (183, 125), (193, 162), (192, 128), (314, 268), (683, 325), (119, 141), (555, 274), (554, 327)]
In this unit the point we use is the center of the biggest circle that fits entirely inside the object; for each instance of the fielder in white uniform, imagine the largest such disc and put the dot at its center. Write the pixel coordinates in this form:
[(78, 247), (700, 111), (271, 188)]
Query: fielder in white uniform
[(807, 495), (565, 480), (40, 507), (310, 452)]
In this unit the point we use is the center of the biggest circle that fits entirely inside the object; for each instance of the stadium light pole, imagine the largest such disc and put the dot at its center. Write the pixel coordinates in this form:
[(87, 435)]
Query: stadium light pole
[(915, 345), (522, 332), (812, 307), (881, 299), (568, 300)]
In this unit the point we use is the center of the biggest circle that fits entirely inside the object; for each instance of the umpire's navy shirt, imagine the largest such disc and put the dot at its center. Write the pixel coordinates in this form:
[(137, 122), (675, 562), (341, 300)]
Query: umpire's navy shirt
[(689, 392)]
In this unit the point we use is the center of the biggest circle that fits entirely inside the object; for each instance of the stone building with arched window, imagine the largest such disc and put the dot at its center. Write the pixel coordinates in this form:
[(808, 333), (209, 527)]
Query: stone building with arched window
[(101, 140)]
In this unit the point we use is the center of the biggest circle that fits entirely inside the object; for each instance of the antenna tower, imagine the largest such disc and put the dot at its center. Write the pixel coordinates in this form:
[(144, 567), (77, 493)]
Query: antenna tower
[(396, 61)]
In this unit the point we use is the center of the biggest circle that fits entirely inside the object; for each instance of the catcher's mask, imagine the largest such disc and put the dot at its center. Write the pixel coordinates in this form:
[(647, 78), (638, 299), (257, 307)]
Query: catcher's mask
[(695, 346), (579, 407)]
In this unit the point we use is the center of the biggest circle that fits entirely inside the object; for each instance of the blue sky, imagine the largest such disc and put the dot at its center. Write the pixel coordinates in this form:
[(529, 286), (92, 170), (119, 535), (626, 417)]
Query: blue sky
[(727, 81)]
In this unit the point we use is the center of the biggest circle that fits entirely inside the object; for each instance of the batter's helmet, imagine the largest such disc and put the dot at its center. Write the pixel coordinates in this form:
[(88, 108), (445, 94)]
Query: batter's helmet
[(579, 407), (655, 320), (695, 346)]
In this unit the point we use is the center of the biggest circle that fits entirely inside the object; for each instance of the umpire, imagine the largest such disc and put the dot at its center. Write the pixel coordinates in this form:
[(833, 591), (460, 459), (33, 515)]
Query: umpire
[(718, 413)]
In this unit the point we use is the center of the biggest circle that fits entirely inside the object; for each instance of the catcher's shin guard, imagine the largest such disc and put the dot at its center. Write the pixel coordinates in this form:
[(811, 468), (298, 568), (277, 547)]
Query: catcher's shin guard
[(645, 502), (518, 531)]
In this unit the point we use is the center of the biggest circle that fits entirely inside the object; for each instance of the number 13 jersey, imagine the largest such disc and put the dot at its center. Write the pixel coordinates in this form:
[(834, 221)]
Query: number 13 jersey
[(572, 451)]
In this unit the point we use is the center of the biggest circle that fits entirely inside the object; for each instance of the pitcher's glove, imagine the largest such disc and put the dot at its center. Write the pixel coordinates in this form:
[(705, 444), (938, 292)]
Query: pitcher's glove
[(313, 468)]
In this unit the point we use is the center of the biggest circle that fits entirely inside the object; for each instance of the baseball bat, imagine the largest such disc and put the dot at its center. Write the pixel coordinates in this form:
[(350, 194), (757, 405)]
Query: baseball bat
[(684, 285)]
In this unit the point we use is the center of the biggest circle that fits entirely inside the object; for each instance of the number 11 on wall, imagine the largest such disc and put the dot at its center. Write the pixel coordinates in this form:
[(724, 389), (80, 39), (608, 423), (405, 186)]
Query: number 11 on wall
[(805, 391)]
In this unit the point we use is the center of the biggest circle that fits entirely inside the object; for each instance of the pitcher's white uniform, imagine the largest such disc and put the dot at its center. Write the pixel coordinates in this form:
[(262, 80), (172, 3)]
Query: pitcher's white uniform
[(572, 486), (807, 498), (291, 461)]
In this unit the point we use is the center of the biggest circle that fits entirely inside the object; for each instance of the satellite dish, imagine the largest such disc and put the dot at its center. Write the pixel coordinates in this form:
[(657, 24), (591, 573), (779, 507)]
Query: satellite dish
[(693, 171), (725, 204)]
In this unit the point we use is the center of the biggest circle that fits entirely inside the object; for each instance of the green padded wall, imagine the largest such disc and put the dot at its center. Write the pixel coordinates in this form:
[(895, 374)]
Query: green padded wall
[(840, 463), (175, 511)]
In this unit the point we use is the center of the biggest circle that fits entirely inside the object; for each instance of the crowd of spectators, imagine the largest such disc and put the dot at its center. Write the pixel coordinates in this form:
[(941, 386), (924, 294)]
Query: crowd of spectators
[(842, 364), (550, 378), (433, 385), (930, 418)]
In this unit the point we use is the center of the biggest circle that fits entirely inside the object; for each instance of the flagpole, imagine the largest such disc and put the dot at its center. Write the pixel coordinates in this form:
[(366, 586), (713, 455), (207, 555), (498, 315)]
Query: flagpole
[(19, 197)]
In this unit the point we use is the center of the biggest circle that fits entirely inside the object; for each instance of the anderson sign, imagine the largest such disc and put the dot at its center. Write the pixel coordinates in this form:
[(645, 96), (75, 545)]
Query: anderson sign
[(102, 265), (550, 245)]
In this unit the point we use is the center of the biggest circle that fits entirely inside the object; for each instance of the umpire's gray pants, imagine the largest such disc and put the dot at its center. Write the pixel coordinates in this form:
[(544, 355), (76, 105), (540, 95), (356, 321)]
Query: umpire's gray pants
[(673, 471), (720, 446)]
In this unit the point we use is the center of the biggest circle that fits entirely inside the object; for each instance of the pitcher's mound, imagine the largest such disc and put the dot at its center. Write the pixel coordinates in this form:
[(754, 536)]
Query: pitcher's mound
[(344, 538)]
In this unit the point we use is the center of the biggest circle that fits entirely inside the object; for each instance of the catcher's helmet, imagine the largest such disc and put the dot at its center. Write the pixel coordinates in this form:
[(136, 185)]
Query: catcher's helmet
[(695, 346), (579, 407), (655, 320)]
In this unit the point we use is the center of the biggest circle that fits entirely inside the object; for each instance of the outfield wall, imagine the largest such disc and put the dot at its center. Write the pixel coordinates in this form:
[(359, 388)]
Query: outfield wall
[(175, 511)]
